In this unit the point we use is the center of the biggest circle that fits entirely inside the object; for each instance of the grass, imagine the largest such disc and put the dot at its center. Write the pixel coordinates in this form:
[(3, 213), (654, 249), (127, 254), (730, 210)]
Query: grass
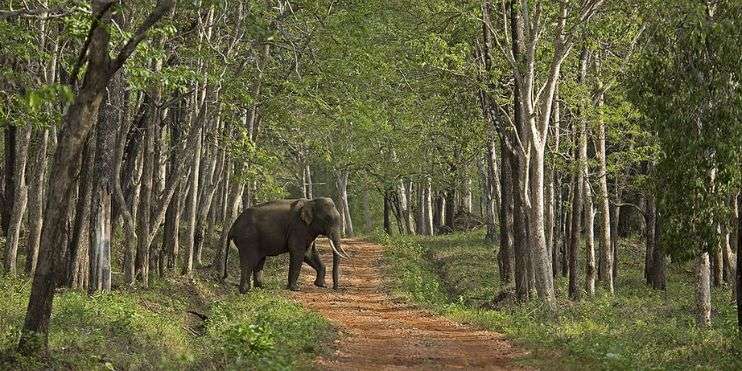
[(154, 329), (638, 328)]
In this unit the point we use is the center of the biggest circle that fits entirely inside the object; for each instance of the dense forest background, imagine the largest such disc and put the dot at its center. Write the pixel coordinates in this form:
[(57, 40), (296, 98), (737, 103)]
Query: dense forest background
[(587, 150)]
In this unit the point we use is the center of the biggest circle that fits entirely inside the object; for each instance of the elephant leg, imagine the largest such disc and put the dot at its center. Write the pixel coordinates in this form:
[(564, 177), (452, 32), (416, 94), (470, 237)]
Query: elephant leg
[(294, 268), (247, 263), (313, 260), (257, 273), (244, 279)]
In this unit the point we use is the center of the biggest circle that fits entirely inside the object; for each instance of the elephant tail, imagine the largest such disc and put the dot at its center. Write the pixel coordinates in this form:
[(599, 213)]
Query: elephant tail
[(225, 273)]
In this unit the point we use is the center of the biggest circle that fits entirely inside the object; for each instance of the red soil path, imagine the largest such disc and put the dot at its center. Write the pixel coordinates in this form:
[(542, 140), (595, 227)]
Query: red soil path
[(379, 333)]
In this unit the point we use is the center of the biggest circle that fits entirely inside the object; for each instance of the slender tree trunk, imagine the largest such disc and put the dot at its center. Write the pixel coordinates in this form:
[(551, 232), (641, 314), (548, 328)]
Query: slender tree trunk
[(79, 237), (342, 185), (658, 257), (589, 210), (9, 178), (651, 220), (507, 228), (717, 261), (578, 190), (20, 198), (521, 245), (703, 290), (491, 192), (614, 231), (387, 207), (191, 209), (467, 196), (404, 208), (309, 186), (606, 256), (36, 201), (367, 221), (428, 203)]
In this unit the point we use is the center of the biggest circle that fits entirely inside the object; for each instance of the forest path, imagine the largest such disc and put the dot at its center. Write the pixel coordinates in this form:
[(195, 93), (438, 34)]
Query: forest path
[(378, 332)]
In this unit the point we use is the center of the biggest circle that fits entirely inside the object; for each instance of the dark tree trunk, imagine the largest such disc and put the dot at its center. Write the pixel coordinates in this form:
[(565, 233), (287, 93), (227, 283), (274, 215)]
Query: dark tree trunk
[(78, 241), (387, 207), (9, 180), (520, 232), (505, 253), (651, 219)]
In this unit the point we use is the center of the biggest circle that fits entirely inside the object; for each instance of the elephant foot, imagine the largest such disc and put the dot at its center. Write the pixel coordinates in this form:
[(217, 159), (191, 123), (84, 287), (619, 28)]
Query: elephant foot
[(244, 290), (320, 283), (335, 287), (293, 287), (258, 285)]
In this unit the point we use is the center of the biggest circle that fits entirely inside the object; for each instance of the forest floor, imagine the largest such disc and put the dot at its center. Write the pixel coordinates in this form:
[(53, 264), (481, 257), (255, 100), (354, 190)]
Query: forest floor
[(377, 331)]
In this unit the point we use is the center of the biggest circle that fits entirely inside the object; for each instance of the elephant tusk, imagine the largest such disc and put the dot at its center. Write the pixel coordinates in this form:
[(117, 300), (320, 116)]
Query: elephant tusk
[(335, 249)]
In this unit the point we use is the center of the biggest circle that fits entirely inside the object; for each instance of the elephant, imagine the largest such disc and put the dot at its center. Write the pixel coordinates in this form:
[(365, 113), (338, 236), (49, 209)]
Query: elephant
[(288, 225)]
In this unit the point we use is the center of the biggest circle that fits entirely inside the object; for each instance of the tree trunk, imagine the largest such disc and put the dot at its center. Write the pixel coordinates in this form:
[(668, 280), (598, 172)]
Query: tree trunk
[(467, 196), (367, 221), (36, 201), (491, 192), (191, 209), (521, 244), (79, 237), (19, 197), (507, 228), (101, 223), (614, 232), (578, 189), (606, 255), (589, 210), (9, 178), (650, 229), (342, 185), (658, 257), (387, 207), (404, 208), (703, 290)]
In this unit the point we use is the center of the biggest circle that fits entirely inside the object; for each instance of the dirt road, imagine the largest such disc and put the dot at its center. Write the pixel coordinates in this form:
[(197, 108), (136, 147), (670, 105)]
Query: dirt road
[(378, 333)]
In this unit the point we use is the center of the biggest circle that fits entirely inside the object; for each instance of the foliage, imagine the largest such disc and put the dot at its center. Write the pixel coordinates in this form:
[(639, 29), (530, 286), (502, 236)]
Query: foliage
[(153, 329), (638, 328)]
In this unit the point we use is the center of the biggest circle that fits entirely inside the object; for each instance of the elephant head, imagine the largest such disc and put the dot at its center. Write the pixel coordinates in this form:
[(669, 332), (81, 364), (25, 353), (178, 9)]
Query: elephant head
[(322, 218)]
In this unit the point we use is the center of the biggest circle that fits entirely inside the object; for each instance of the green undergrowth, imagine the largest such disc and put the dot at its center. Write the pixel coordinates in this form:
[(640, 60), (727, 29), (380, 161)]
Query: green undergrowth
[(638, 328), (177, 323)]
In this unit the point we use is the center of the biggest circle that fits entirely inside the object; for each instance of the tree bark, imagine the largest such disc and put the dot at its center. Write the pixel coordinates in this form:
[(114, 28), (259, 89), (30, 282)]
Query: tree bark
[(650, 229), (101, 222), (19, 196), (606, 255), (342, 185), (507, 228), (703, 290), (191, 209), (36, 201), (79, 237), (589, 232)]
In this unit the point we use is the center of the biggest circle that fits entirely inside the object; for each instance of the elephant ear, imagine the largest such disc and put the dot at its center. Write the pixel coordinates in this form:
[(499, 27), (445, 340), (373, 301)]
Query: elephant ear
[(305, 212)]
